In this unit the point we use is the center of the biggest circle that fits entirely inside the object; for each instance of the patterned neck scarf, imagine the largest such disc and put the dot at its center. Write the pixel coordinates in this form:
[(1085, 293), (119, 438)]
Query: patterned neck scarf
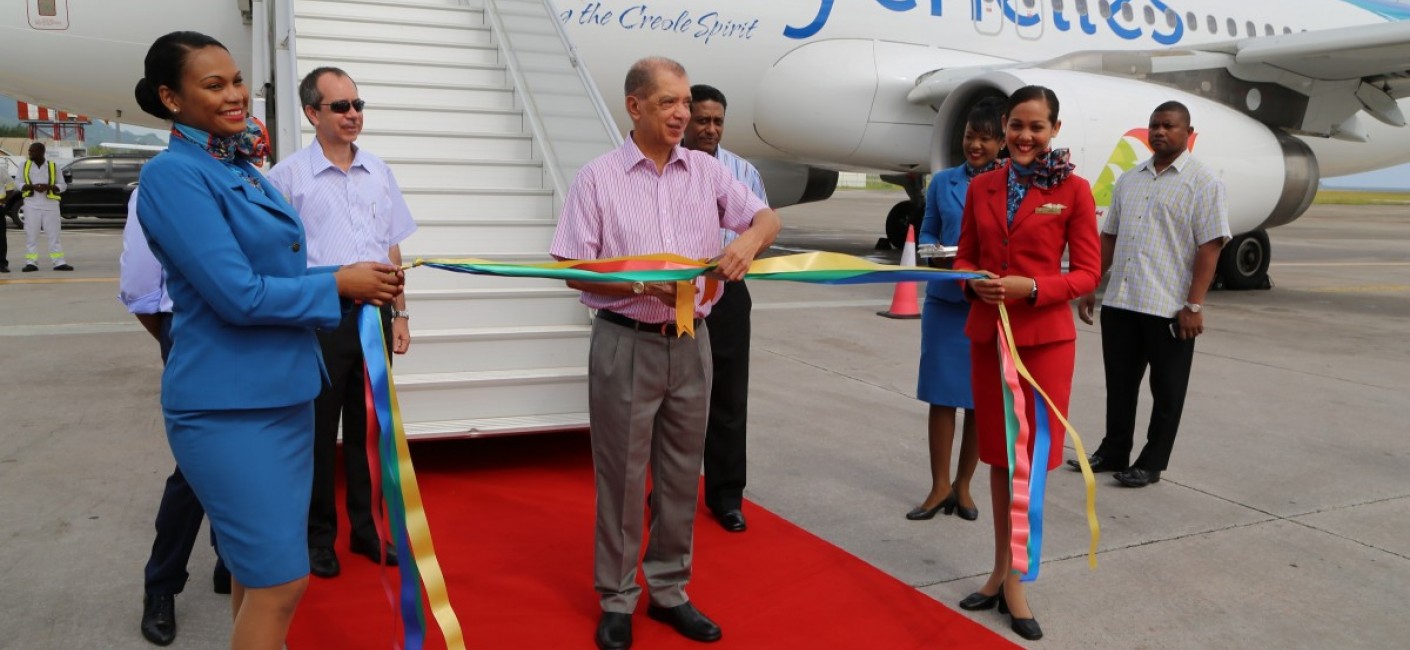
[(252, 144), (972, 171), (1046, 171)]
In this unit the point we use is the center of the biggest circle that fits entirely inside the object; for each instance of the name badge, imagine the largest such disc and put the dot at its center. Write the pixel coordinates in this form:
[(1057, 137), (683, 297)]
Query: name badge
[(1051, 208)]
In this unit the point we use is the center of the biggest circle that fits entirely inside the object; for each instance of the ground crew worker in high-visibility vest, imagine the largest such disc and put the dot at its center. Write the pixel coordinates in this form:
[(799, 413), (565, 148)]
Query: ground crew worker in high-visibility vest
[(41, 185)]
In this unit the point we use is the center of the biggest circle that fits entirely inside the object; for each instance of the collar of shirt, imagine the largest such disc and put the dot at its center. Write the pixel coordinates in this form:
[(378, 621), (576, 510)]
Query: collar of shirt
[(320, 162), (631, 155), (1178, 165)]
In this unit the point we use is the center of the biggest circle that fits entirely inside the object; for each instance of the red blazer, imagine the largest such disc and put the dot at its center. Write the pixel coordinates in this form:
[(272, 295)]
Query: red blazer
[(1032, 248)]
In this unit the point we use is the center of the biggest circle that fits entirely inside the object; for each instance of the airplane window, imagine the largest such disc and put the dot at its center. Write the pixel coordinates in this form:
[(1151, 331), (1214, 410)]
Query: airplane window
[(1213, 25), (1192, 21), (1029, 3), (1268, 29), (1171, 17), (1128, 13), (1150, 15), (1287, 30), (1057, 5), (1252, 30), (1233, 27), (1082, 7), (1106, 9)]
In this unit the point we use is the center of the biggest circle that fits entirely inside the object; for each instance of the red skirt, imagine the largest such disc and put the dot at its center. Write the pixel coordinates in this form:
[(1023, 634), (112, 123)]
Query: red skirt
[(1051, 366)]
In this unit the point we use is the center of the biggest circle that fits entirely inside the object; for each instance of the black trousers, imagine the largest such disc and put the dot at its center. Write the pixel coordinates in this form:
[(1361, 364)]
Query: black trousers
[(178, 521), (4, 241), (342, 397), (1130, 342), (728, 323)]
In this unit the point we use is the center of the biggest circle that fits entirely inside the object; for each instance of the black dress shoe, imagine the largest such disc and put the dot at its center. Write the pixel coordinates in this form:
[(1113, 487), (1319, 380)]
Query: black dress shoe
[(687, 620), (323, 562), (732, 520), (1098, 464), (1026, 627), (977, 601), (63, 267), (159, 619), (921, 513), (4, 267), (614, 631), (29, 268), (369, 551), (1137, 477), (220, 579)]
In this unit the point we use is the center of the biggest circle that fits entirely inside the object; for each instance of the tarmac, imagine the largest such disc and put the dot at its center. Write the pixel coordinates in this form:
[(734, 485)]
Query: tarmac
[(1283, 520)]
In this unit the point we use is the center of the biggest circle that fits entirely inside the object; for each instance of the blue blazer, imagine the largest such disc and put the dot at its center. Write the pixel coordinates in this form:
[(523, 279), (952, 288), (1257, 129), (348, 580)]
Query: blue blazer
[(944, 211), (245, 303)]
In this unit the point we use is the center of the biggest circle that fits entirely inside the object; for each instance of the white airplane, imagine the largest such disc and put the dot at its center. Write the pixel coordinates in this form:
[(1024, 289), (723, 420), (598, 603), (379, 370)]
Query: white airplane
[(1282, 92)]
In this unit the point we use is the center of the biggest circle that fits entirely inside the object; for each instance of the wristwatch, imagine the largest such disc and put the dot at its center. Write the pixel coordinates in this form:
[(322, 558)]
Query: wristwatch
[(638, 287), (1194, 307), (401, 313)]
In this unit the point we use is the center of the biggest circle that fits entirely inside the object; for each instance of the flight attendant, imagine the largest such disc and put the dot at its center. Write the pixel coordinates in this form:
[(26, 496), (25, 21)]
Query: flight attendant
[(1018, 221), (244, 366), (944, 348)]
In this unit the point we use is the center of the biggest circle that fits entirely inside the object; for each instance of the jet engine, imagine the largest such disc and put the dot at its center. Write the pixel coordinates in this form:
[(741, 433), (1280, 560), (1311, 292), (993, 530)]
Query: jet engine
[(1104, 122)]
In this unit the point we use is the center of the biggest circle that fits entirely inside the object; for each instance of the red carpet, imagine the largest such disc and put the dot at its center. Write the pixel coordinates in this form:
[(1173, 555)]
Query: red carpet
[(512, 520)]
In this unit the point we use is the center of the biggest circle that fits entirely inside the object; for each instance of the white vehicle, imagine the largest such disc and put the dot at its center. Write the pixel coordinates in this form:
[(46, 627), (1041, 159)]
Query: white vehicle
[(1282, 92)]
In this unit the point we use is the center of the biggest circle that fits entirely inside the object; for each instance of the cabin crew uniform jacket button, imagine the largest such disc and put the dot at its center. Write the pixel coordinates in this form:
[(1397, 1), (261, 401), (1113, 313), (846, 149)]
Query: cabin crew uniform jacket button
[(295, 247)]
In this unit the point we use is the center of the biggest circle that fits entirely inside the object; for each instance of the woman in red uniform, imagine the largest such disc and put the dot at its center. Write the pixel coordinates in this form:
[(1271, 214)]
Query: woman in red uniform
[(1018, 220)]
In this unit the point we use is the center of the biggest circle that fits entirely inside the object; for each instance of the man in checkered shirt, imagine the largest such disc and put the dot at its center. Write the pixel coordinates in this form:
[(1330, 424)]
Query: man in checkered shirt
[(1161, 240)]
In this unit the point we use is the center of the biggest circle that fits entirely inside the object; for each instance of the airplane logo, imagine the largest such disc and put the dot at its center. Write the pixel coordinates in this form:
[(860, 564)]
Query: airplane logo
[(1131, 149)]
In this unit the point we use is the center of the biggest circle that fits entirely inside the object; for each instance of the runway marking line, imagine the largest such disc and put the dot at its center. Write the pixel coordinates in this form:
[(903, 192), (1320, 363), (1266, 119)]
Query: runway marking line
[(60, 281)]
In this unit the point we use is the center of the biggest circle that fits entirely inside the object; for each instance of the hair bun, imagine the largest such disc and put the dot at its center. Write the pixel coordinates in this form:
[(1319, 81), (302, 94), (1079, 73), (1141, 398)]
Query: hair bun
[(148, 99)]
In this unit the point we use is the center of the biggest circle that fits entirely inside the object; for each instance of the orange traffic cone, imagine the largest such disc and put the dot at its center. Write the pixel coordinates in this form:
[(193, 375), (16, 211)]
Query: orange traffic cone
[(904, 302)]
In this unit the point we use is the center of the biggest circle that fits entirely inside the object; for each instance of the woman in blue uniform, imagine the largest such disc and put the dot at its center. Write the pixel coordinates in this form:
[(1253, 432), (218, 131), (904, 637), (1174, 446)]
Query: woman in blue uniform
[(244, 366), (944, 348)]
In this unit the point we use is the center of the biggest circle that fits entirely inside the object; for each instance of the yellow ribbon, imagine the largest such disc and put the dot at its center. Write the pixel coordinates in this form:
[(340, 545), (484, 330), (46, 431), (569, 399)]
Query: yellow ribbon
[(1092, 524)]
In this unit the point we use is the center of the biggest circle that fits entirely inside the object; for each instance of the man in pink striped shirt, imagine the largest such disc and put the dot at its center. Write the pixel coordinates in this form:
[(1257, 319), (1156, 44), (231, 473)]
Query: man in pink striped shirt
[(648, 389)]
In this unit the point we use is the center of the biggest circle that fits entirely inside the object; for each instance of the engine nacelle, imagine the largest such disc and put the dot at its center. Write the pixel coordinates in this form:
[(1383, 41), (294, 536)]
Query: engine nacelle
[(791, 184), (1271, 176)]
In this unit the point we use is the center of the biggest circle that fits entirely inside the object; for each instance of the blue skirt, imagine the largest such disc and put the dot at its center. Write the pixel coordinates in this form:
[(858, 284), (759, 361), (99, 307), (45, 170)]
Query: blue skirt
[(944, 355), (253, 472)]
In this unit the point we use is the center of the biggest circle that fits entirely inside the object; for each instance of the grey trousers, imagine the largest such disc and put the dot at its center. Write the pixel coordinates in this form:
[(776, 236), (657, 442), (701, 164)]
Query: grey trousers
[(648, 402)]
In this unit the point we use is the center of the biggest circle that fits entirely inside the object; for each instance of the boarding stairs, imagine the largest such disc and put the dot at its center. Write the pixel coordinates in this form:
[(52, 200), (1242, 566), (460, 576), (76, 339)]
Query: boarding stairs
[(484, 116)]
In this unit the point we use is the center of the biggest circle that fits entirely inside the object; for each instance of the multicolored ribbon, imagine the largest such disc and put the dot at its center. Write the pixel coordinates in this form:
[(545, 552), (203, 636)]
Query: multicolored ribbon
[(408, 526), (1028, 473)]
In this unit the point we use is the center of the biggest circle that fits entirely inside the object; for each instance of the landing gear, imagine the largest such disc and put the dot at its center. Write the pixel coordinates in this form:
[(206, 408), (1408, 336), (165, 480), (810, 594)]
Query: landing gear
[(906, 213), (1243, 264)]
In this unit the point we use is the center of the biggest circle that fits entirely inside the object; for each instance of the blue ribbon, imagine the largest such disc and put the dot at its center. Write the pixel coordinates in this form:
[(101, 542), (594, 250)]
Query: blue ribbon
[(1037, 487)]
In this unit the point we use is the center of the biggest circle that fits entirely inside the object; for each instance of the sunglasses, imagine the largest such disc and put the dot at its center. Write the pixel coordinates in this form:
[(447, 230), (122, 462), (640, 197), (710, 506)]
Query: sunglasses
[(343, 105)]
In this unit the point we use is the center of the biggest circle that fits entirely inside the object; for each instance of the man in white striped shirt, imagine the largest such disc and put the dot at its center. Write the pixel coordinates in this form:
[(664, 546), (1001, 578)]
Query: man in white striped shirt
[(352, 209), (1161, 240), (729, 332)]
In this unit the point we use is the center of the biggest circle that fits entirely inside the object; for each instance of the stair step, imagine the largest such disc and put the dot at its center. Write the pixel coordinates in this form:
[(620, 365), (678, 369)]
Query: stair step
[(478, 350), (410, 70), (478, 239), (522, 204), (488, 427), (449, 309), (419, 118), (334, 45), (511, 174), (443, 32), (422, 10), (491, 394), (433, 97), (448, 146)]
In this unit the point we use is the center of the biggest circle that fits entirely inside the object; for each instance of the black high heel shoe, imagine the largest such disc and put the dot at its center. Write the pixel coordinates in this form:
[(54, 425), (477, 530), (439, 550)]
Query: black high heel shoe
[(978, 601), (948, 504), (967, 514), (1024, 627)]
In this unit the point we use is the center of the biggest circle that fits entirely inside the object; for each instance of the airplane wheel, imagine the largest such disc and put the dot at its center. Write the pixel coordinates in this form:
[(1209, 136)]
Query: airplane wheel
[(1243, 264), (897, 220)]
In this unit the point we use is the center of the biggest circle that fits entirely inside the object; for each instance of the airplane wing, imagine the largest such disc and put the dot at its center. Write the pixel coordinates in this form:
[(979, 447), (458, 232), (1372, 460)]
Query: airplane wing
[(1312, 83)]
